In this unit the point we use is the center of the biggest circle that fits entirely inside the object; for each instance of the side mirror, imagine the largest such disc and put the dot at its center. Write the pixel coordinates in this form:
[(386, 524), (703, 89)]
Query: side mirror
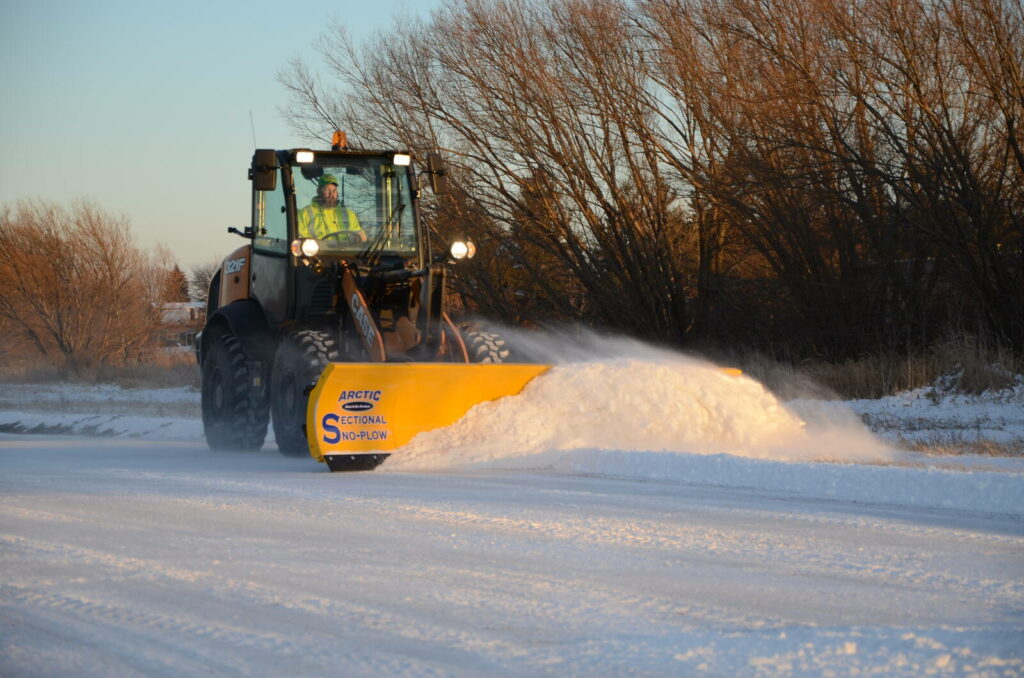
[(437, 172), (263, 172)]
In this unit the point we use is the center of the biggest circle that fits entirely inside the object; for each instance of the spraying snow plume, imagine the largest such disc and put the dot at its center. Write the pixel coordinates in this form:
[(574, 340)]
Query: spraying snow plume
[(616, 394)]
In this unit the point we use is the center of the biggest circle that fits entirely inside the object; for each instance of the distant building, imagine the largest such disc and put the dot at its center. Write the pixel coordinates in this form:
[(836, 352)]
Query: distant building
[(180, 321)]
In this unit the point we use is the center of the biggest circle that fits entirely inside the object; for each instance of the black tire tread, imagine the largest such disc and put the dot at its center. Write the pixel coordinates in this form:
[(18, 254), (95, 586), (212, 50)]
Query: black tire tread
[(304, 352), (486, 346)]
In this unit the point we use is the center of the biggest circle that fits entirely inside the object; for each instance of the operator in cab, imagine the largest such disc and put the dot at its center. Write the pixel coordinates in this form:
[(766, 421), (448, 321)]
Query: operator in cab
[(325, 217)]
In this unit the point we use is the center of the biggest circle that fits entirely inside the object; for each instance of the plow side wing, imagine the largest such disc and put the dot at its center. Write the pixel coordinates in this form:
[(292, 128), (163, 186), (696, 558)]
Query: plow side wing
[(360, 411)]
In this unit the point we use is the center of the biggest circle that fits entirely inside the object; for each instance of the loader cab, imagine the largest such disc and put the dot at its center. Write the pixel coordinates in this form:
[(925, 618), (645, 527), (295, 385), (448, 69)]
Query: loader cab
[(355, 205), (372, 195), (312, 210)]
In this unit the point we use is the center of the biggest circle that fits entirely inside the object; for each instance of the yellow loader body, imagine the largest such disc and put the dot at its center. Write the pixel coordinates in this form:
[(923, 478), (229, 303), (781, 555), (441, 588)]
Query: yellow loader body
[(359, 413)]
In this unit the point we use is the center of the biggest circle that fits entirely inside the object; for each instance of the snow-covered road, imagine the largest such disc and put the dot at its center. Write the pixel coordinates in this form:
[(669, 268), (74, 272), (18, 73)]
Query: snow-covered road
[(162, 558)]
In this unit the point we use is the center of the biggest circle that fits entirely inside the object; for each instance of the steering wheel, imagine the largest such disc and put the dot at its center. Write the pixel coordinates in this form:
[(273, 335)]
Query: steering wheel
[(353, 237)]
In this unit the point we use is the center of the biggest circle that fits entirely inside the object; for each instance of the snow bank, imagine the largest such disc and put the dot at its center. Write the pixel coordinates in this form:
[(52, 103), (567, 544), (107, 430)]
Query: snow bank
[(932, 414), (66, 394), (102, 424), (101, 410)]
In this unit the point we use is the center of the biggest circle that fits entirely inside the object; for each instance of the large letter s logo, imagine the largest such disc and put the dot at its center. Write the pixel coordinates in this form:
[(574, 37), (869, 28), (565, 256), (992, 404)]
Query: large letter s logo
[(331, 432)]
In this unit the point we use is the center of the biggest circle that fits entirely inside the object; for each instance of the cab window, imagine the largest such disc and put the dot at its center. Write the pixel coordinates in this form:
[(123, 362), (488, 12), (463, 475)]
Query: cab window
[(271, 220), (376, 193)]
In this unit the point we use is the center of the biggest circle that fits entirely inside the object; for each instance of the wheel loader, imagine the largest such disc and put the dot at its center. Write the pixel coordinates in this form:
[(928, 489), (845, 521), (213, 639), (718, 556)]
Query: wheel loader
[(331, 321)]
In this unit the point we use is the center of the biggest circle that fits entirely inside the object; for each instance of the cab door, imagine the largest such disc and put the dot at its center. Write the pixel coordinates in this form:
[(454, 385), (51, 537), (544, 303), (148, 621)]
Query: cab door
[(270, 261)]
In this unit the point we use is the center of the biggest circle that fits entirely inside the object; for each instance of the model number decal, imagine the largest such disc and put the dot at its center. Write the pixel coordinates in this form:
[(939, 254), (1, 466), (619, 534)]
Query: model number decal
[(234, 265)]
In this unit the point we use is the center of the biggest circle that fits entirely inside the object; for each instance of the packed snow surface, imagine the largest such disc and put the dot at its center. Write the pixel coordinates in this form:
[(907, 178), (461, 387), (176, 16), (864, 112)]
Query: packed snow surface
[(159, 558), (634, 514)]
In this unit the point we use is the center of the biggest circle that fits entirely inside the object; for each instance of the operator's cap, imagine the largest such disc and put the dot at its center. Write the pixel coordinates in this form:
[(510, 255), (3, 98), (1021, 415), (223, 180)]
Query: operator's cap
[(327, 179)]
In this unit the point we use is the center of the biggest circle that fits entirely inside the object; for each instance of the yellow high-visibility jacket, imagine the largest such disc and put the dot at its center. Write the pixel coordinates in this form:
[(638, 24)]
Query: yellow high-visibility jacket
[(316, 221)]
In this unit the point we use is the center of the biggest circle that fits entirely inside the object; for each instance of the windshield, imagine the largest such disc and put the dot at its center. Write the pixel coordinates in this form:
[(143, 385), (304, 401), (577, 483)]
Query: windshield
[(355, 204)]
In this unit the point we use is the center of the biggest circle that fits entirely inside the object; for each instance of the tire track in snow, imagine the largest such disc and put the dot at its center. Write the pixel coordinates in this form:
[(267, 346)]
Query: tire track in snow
[(794, 554), (325, 619), (177, 634)]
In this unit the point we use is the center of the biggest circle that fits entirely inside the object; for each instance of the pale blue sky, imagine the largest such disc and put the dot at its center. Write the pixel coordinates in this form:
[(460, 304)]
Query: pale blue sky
[(144, 107)]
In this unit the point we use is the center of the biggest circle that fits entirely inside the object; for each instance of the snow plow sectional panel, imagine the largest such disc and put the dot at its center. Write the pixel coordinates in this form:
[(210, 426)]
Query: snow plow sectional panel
[(359, 413)]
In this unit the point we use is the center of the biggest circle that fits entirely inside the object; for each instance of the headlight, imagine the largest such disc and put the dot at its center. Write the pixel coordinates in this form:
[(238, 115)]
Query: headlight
[(306, 247), (402, 160), (463, 250), (304, 156)]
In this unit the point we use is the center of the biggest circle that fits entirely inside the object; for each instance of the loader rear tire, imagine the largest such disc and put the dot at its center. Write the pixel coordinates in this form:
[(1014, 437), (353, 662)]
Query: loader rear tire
[(300, 359), (485, 346), (235, 409)]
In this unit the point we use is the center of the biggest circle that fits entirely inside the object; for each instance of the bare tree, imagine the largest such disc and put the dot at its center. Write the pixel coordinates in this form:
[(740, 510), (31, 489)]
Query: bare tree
[(851, 147), (541, 106), (199, 279), (833, 177), (71, 284)]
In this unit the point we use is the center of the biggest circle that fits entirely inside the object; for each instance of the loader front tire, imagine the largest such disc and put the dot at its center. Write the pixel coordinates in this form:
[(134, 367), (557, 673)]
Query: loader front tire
[(484, 346), (301, 357), (234, 401)]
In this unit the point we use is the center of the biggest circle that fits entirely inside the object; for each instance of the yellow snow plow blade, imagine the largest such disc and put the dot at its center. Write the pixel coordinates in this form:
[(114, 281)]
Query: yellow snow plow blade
[(359, 413)]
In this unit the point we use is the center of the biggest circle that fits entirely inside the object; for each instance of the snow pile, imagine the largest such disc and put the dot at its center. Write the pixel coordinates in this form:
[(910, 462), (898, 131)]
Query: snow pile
[(667, 404)]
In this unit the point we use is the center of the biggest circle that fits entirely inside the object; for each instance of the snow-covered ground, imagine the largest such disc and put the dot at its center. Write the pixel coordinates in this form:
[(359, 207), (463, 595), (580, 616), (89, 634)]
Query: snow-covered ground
[(941, 418), (641, 515)]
